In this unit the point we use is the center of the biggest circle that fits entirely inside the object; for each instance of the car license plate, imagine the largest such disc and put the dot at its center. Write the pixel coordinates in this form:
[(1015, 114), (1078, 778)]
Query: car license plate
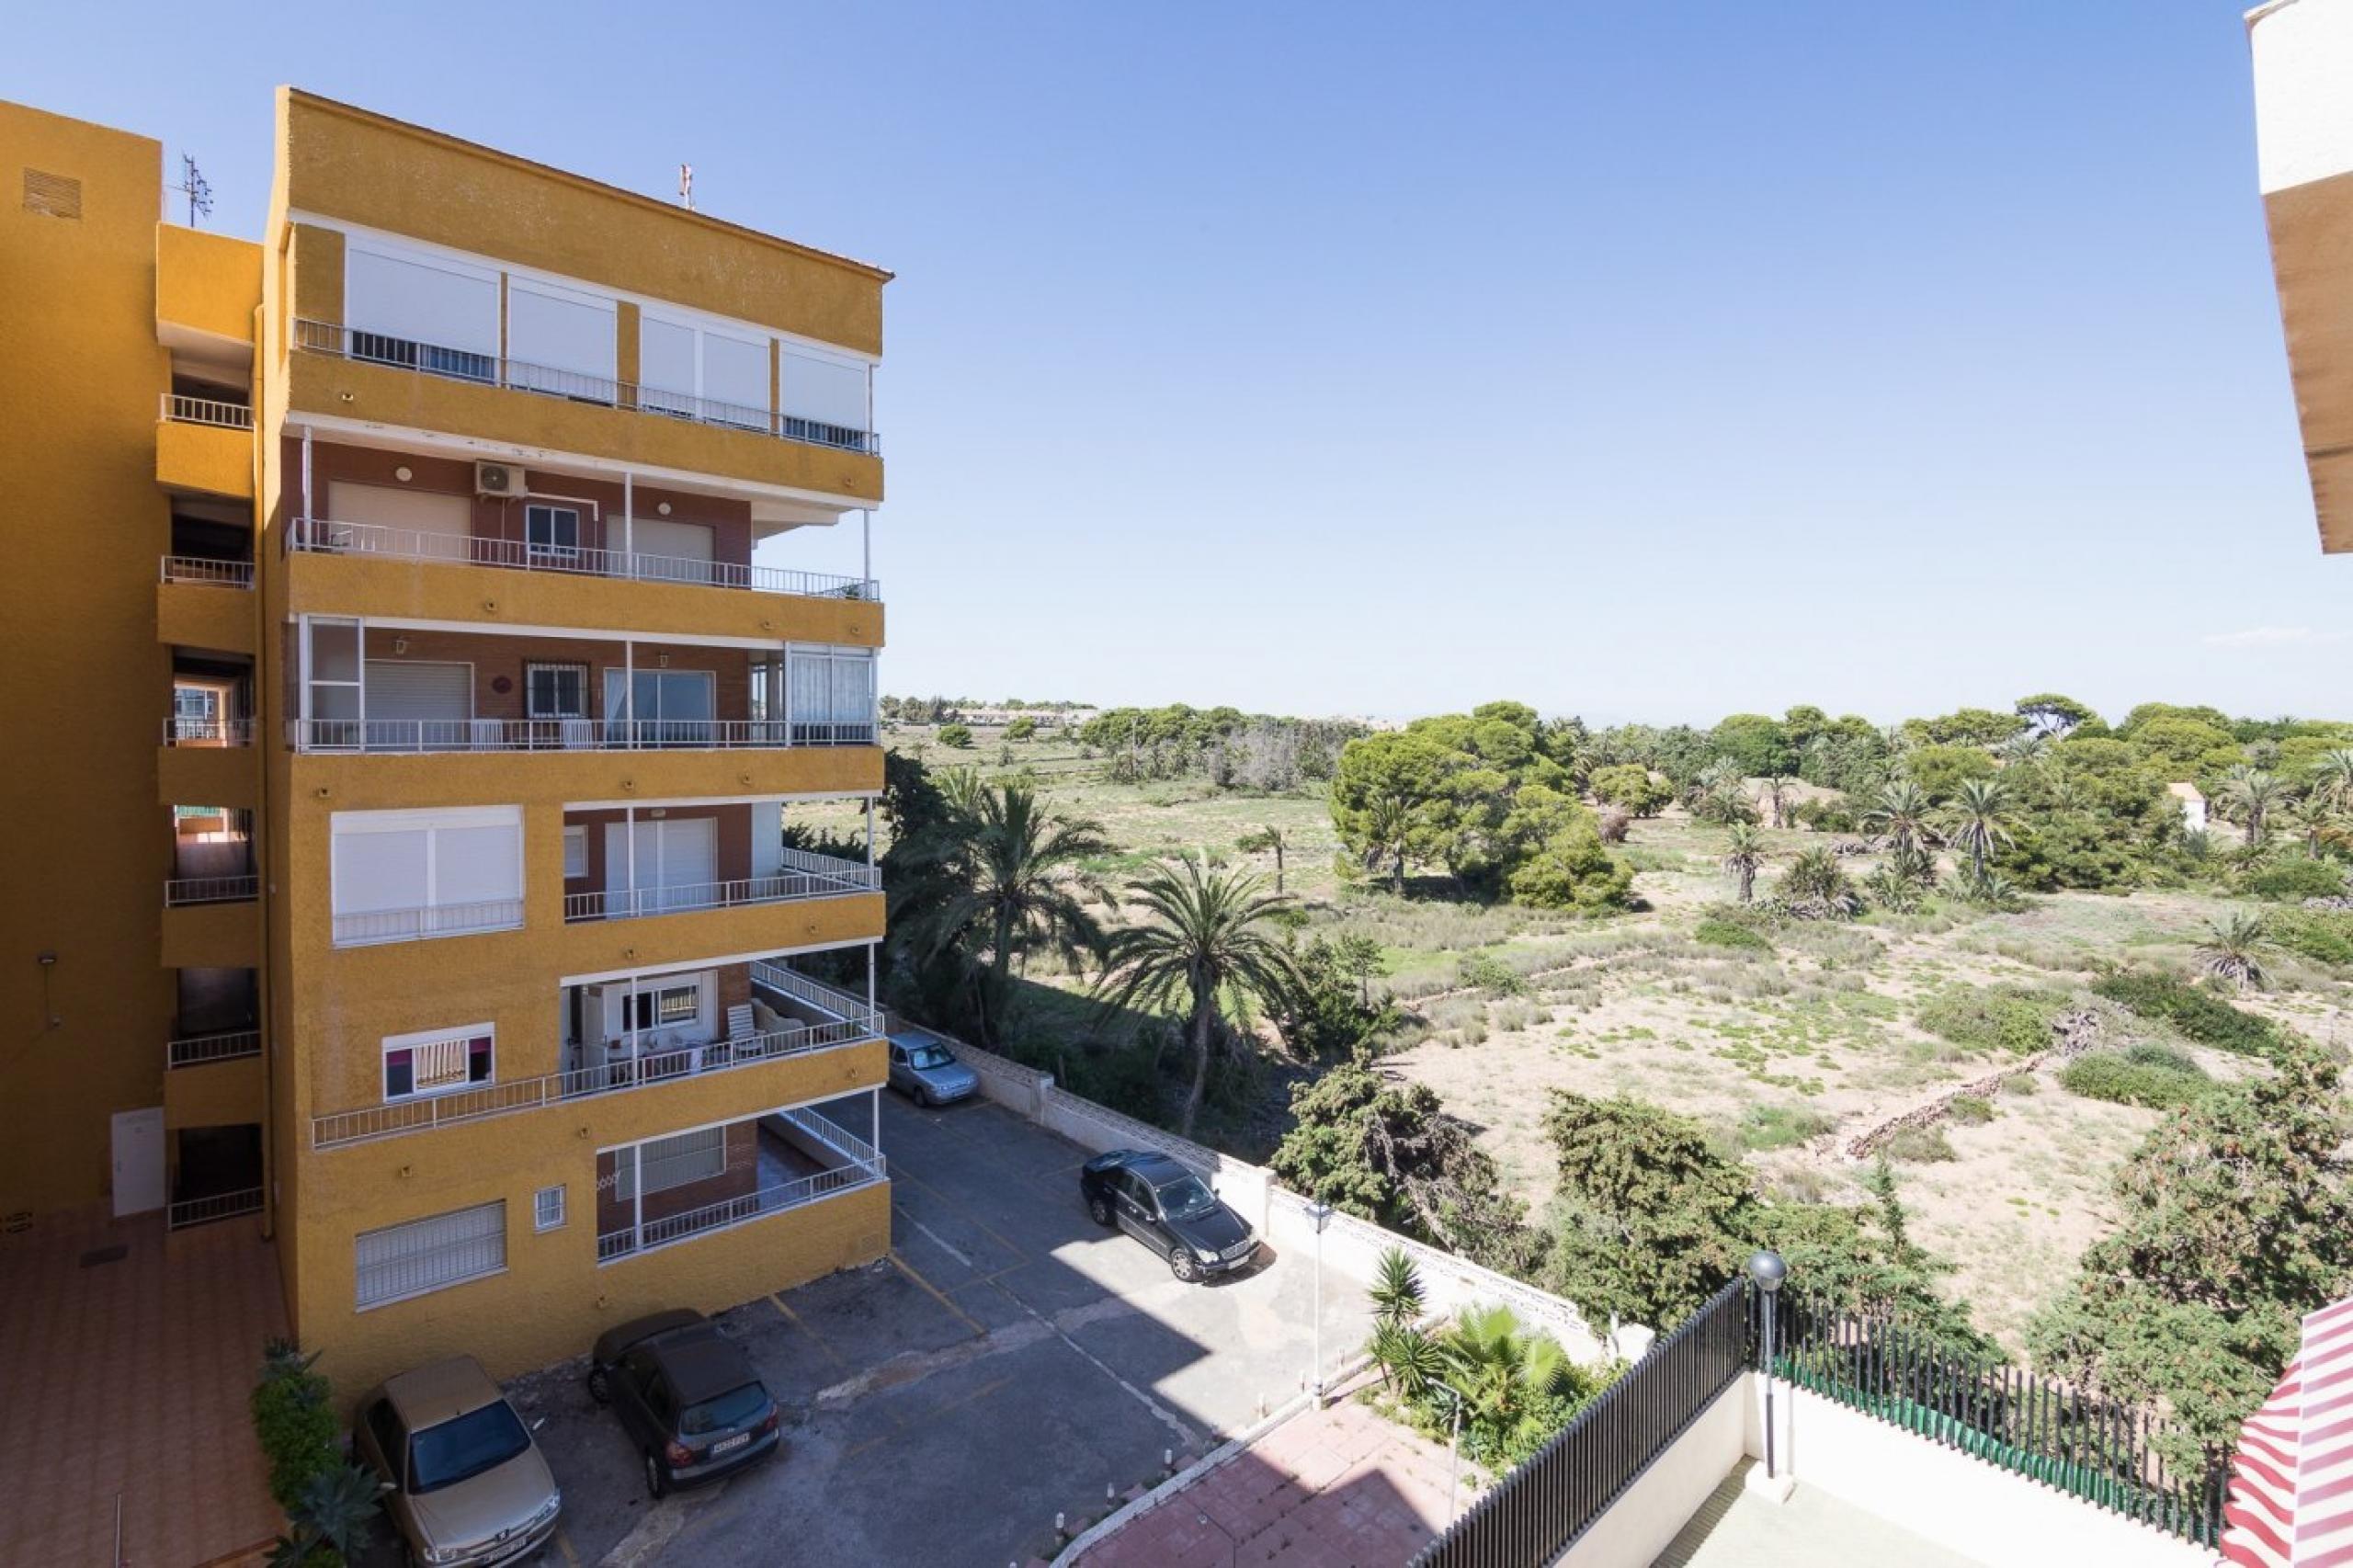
[(729, 1444)]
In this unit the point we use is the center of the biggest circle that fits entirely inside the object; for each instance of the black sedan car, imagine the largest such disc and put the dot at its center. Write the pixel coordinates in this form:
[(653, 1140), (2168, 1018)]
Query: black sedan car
[(1168, 1208), (686, 1395)]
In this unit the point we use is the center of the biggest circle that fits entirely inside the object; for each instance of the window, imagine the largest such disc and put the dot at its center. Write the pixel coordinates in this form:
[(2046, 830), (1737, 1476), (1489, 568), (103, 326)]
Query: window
[(331, 692), (391, 1441), (551, 533), (547, 1208), (431, 1253), (670, 1162), (436, 1061), (665, 1008), (556, 691), (560, 340), (576, 852), (435, 313), (401, 875), (670, 706), (823, 397), (829, 696)]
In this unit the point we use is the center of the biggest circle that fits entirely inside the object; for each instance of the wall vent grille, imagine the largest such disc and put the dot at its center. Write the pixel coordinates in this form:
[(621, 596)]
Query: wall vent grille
[(55, 196)]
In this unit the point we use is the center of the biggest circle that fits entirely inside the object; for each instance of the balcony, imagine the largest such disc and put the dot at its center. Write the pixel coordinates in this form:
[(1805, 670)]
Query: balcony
[(400, 737), (196, 1051), (774, 1164), (830, 1019), (325, 536), (205, 445), (805, 875), (184, 893), (186, 729), (201, 571), (372, 927)]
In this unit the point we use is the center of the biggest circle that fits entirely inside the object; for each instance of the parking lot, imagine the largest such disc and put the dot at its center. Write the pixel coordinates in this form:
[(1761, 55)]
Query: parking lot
[(1009, 1360)]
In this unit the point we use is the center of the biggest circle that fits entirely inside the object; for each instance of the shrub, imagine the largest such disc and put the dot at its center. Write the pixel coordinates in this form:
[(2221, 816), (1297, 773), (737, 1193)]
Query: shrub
[(1920, 1146), (1631, 785), (1816, 887), (2196, 1014), (2020, 1084), (1572, 871), (2324, 936), (1717, 933), (1782, 1127), (293, 1422), (959, 736), (1485, 971), (2158, 1076), (1610, 824), (2015, 1018), (1821, 815), (1970, 1110), (1021, 729), (2296, 877)]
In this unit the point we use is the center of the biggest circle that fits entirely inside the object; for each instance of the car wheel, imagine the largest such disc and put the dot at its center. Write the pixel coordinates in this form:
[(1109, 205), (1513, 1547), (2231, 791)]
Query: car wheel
[(1101, 1208), (600, 1386), (1181, 1264), (658, 1484), (923, 1098)]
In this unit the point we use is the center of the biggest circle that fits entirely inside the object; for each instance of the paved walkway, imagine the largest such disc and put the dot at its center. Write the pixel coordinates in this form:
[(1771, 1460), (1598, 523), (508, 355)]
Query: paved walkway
[(1734, 1528), (1342, 1487), (125, 1377)]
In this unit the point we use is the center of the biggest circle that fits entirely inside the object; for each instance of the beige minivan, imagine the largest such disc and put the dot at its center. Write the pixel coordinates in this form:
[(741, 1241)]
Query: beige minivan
[(469, 1488)]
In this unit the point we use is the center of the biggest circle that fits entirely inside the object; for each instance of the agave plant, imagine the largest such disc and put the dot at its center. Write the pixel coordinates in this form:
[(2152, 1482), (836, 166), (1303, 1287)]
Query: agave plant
[(2233, 950), (1396, 1289), (329, 1522), (1990, 890), (1411, 1361)]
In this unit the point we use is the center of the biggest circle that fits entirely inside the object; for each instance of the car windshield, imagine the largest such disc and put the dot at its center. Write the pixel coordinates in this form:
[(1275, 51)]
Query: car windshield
[(1186, 1198), (444, 1455), (930, 1056), (731, 1409)]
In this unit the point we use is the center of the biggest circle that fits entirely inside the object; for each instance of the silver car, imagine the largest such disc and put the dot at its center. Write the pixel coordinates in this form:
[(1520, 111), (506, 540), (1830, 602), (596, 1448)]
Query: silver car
[(928, 1072), (469, 1488)]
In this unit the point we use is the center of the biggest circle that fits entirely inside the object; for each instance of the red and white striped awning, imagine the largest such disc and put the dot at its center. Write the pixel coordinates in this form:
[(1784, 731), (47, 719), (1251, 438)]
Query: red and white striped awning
[(2290, 1501)]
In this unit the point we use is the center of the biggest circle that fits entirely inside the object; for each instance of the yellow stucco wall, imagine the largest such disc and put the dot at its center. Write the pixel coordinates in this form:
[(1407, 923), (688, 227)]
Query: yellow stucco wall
[(354, 783), (208, 282), (202, 615), (90, 681), (345, 163), (213, 1094), (417, 590), (204, 460), (554, 1299), (388, 396), (207, 775), (207, 936)]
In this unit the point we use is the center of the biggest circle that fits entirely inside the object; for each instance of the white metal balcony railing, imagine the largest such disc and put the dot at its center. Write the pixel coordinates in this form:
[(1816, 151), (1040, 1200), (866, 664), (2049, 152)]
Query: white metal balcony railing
[(490, 370), (181, 410), (853, 1023), (376, 926), (398, 735), (183, 731), (221, 1206), (814, 876), (180, 893), (323, 537), (204, 570), (863, 1170), (194, 1050)]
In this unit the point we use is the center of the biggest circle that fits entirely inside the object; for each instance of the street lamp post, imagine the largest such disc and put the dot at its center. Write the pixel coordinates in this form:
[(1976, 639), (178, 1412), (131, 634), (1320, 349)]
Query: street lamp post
[(1322, 1214), (1768, 1271), (1453, 1446)]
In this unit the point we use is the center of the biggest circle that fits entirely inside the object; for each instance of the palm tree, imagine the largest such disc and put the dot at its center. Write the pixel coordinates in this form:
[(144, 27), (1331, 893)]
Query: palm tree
[(1979, 820), (1744, 853), (1387, 821), (1210, 938), (1816, 880), (2234, 949), (1901, 812), (1775, 797), (1503, 1372), (2255, 793), (1262, 839), (1009, 883), (1396, 1288), (2025, 748), (2318, 821), (2333, 777)]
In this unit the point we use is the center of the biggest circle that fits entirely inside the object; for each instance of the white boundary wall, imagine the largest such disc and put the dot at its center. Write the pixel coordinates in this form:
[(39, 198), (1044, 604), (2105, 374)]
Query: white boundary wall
[(1352, 1246), (1652, 1511)]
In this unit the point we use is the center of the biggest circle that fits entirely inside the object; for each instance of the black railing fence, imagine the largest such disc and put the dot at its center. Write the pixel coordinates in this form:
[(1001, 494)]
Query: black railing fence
[(1539, 1508), (2112, 1456)]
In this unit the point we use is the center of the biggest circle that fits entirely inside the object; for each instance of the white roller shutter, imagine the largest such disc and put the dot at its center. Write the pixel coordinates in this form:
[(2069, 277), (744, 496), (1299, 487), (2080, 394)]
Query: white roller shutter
[(439, 301), (736, 372), (673, 854), (373, 872), (561, 329), (400, 690), (415, 522), (822, 388), (460, 867), (671, 552)]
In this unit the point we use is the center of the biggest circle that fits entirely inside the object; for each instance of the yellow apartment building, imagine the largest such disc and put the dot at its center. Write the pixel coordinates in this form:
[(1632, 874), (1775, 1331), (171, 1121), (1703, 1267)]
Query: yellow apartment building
[(413, 854)]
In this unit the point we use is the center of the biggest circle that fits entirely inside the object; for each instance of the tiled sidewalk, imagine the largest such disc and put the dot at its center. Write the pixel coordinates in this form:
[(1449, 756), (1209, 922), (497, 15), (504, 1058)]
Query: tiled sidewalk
[(1336, 1488), (129, 1378)]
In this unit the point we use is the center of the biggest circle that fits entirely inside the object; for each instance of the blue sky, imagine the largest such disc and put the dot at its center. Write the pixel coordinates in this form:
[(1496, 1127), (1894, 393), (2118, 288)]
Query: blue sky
[(1634, 361)]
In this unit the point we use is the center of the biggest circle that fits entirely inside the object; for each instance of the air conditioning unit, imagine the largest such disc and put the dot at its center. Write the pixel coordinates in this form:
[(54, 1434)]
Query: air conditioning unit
[(498, 479)]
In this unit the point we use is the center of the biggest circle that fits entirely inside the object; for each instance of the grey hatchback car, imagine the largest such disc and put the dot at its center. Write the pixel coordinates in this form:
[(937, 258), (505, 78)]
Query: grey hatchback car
[(928, 1072), (467, 1486)]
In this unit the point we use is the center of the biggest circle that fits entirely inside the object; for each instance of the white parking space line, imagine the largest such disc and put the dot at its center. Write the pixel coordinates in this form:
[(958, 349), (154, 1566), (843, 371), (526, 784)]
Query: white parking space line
[(1168, 1417)]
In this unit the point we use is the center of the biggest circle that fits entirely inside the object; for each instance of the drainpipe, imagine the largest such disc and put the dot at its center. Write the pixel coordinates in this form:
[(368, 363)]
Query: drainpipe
[(629, 525), (866, 546)]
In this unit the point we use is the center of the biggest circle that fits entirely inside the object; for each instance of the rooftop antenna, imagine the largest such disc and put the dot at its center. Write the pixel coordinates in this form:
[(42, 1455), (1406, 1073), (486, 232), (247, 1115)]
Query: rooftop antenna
[(686, 187), (198, 189)]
